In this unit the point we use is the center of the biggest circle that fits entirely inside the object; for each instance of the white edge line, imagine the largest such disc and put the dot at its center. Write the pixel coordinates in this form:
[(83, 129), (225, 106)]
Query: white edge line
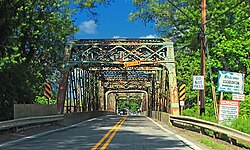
[(190, 144), (42, 134)]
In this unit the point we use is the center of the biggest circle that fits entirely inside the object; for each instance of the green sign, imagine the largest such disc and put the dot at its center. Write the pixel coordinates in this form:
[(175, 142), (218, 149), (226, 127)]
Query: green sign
[(230, 82)]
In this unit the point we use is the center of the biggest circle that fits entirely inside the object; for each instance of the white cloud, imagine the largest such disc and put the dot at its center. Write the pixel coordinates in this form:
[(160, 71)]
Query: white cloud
[(118, 37), (150, 36), (88, 27)]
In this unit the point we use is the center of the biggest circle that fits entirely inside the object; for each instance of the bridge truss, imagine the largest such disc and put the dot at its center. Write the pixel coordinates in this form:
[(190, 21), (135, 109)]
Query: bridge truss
[(95, 67)]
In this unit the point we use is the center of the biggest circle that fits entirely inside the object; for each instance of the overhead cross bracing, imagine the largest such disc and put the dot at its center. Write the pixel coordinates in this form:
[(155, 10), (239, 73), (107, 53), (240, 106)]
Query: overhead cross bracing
[(119, 64), (117, 51), (125, 75)]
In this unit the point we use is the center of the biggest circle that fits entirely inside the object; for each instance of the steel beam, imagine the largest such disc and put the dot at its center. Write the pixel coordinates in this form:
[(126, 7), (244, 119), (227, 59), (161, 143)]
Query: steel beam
[(126, 91), (98, 56), (63, 84)]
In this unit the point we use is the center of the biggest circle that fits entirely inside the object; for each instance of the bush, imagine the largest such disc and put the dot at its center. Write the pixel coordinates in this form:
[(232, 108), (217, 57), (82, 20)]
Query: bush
[(209, 112), (44, 100), (242, 124)]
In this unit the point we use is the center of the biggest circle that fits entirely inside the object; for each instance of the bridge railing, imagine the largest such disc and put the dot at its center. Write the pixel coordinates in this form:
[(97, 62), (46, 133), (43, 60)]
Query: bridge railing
[(190, 123), (66, 120), (29, 121)]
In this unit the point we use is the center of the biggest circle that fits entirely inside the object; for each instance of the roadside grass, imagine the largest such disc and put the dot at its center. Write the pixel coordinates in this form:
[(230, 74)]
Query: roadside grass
[(212, 144), (247, 146)]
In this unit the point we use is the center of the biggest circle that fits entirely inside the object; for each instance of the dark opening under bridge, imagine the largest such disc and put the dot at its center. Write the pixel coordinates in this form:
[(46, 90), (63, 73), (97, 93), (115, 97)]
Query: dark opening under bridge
[(97, 72)]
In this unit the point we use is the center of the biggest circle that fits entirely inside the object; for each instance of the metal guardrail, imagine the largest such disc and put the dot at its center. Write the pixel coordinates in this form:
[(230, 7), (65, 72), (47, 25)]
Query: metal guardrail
[(216, 128), (22, 122)]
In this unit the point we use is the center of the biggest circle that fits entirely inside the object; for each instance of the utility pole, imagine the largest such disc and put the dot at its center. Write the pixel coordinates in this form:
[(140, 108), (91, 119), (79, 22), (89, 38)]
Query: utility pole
[(203, 56)]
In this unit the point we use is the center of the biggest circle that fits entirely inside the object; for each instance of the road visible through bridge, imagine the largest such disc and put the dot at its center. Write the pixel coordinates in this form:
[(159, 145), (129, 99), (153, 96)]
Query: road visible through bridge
[(108, 132)]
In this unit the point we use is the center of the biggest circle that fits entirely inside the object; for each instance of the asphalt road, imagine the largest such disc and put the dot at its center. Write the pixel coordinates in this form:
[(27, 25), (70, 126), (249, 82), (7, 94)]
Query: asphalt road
[(107, 132)]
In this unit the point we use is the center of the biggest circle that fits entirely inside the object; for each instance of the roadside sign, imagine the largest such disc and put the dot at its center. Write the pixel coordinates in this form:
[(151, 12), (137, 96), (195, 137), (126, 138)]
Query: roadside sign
[(182, 103), (48, 90), (229, 109), (182, 92), (198, 82), (231, 82), (239, 97), (132, 63)]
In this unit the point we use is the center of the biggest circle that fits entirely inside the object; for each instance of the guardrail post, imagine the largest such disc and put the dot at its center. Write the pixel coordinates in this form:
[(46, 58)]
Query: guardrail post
[(216, 134), (233, 141), (202, 130)]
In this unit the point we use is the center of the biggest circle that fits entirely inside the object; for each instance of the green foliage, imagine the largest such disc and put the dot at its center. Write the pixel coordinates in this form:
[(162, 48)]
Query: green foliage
[(213, 144), (16, 88), (33, 34), (44, 100), (227, 35), (133, 106), (245, 107), (194, 112), (242, 124)]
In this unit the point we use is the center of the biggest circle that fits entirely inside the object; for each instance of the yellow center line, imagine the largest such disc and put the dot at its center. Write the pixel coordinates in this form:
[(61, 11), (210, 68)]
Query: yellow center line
[(107, 134), (113, 134)]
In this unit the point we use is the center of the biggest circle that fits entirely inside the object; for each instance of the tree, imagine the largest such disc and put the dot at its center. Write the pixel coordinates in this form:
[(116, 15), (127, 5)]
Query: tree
[(227, 36), (33, 34)]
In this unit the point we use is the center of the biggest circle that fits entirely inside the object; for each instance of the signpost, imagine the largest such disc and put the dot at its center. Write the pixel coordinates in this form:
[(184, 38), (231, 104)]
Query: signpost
[(231, 82), (182, 96), (229, 109), (198, 82)]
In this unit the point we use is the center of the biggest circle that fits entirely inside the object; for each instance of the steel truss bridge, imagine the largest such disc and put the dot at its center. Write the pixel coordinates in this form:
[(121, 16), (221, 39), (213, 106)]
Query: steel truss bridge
[(98, 72)]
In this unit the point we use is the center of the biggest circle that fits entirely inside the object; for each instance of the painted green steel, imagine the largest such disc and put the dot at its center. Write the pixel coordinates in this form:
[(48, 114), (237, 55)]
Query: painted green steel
[(92, 55)]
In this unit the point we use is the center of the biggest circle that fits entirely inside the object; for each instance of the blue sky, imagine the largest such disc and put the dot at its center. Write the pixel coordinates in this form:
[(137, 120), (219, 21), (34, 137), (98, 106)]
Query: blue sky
[(112, 23)]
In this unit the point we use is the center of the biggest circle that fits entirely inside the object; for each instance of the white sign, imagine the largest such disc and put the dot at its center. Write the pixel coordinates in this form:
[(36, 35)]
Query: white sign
[(198, 82), (230, 82), (182, 103), (239, 97), (229, 109)]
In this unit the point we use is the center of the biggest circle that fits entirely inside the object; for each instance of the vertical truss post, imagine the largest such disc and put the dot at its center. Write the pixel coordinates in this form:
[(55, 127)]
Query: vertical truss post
[(70, 92), (63, 84), (174, 101), (88, 91), (97, 89), (101, 94), (74, 90), (167, 91), (163, 90), (84, 103), (146, 101), (154, 92), (81, 80), (159, 90), (105, 99), (78, 90), (94, 98), (62, 92), (150, 101), (67, 101), (92, 93)]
